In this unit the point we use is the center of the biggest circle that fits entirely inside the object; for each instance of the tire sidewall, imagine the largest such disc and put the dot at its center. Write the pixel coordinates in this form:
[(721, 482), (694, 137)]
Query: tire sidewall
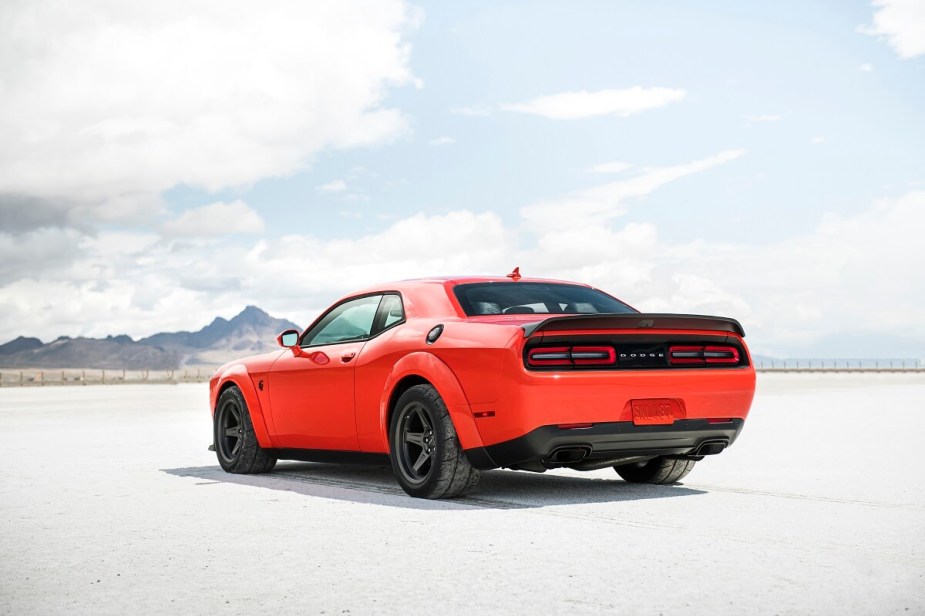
[(230, 395), (430, 484)]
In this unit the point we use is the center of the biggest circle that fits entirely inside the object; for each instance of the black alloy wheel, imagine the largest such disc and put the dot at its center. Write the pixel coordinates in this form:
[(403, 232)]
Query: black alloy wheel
[(235, 442), (417, 445), (230, 431), (427, 458)]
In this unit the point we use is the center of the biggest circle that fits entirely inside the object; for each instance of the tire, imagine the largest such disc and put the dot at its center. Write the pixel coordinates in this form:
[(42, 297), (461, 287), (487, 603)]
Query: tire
[(236, 444), (427, 458), (660, 471)]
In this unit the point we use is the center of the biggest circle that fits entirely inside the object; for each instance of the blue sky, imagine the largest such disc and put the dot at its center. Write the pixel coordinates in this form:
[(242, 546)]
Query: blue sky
[(758, 160)]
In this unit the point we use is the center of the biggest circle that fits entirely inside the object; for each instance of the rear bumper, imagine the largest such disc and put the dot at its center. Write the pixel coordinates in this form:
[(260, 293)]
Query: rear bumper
[(607, 440)]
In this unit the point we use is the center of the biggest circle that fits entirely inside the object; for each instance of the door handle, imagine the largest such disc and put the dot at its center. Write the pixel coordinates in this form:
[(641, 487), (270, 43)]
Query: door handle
[(346, 357)]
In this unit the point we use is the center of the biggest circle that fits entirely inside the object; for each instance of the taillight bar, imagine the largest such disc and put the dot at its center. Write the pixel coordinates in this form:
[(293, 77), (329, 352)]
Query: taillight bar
[(572, 356), (702, 354)]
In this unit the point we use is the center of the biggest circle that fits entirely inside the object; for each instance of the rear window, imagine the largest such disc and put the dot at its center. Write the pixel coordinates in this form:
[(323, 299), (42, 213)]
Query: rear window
[(484, 298)]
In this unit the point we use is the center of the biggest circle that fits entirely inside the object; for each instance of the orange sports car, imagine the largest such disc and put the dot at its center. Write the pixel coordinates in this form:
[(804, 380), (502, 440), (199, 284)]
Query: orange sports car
[(450, 376)]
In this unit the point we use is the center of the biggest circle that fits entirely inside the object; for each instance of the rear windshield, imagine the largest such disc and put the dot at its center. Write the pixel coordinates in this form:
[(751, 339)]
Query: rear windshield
[(535, 297)]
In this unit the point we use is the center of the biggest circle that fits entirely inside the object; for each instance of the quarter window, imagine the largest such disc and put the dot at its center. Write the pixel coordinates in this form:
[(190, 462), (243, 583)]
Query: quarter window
[(391, 311)]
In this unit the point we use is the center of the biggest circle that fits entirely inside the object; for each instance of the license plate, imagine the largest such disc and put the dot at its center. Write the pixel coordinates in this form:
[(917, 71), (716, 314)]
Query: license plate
[(655, 411)]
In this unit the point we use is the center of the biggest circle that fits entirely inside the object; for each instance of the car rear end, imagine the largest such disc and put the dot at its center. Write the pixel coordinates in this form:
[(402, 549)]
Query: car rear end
[(588, 392)]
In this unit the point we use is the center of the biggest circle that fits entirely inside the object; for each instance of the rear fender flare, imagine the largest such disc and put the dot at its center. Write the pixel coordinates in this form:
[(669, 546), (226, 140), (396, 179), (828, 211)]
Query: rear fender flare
[(238, 375), (438, 374)]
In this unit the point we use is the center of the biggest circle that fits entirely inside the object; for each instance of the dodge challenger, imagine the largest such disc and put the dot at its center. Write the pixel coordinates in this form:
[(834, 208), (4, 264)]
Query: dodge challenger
[(445, 377)]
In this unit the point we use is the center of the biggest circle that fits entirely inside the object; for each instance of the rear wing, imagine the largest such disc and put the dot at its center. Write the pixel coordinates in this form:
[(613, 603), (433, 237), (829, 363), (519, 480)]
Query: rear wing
[(636, 320)]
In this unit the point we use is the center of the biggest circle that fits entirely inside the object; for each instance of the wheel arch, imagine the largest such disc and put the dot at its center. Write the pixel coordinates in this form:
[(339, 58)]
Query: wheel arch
[(237, 376), (426, 369)]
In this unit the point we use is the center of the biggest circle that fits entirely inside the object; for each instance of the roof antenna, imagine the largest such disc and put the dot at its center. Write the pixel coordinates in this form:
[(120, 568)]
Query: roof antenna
[(515, 275)]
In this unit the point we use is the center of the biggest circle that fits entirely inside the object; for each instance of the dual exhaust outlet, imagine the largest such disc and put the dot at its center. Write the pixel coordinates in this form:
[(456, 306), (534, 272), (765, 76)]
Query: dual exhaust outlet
[(574, 455)]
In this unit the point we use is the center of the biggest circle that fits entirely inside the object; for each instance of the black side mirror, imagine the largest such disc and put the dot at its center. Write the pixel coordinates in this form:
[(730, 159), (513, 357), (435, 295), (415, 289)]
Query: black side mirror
[(288, 338)]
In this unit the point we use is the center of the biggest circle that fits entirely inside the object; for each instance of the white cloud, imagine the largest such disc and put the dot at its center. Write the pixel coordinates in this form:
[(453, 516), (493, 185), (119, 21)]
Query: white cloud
[(584, 104), (851, 274), (441, 141), (867, 67), (479, 110), (110, 105), (764, 117), (599, 204), (902, 22), (333, 186), (215, 219), (612, 167), (817, 140), (138, 284)]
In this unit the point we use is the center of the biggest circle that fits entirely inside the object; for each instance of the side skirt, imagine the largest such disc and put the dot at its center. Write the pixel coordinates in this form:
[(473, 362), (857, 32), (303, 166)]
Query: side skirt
[(325, 455)]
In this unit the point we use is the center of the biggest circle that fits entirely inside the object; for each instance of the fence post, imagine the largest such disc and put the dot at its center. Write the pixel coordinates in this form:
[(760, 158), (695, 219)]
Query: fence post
[(103, 378), (20, 378), (83, 377)]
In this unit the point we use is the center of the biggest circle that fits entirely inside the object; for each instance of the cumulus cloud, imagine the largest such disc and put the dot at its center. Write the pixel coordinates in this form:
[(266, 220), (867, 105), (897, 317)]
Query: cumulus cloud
[(584, 104), (215, 219), (902, 23), (852, 273), (36, 252), (107, 106), (599, 204)]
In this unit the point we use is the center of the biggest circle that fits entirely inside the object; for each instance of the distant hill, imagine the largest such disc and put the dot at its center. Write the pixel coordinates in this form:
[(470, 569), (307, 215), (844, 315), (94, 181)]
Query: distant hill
[(250, 332)]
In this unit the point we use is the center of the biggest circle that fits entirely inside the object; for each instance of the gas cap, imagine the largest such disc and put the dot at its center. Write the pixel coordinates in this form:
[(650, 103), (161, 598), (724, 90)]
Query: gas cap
[(433, 334)]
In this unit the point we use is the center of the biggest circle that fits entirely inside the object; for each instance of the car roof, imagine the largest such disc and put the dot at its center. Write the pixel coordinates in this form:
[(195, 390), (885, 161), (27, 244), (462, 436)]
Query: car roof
[(451, 281), (454, 280)]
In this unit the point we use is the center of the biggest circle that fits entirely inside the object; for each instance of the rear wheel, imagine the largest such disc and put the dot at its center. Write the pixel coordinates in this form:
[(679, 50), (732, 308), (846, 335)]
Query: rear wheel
[(235, 442), (657, 470), (427, 458)]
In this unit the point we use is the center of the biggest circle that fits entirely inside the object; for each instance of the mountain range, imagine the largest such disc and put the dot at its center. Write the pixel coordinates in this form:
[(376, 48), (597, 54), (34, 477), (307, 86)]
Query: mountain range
[(250, 332)]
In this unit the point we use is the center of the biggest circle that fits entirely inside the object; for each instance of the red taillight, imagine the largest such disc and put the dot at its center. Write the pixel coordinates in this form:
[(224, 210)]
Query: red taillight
[(685, 355), (593, 355), (721, 355), (701, 355), (550, 356), (572, 356)]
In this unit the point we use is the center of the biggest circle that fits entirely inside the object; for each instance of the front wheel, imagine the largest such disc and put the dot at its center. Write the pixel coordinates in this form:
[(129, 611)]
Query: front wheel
[(427, 458), (657, 470), (235, 442)]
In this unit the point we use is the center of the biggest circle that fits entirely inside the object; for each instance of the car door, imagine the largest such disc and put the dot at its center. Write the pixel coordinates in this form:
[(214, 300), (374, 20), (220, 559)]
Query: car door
[(311, 386)]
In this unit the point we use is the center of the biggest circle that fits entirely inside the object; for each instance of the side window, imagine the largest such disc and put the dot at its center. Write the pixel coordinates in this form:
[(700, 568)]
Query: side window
[(352, 320), (391, 312)]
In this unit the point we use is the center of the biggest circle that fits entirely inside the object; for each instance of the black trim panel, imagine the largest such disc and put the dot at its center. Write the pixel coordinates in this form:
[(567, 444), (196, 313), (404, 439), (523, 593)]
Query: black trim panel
[(324, 455), (607, 440), (639, 320)]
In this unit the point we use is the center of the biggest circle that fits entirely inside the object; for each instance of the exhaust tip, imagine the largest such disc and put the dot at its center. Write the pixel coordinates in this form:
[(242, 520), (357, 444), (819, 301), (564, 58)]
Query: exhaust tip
[(563, 456), (711, 448)]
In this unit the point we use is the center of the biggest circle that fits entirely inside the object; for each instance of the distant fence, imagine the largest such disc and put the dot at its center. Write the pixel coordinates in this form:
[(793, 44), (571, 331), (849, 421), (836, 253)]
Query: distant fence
[(840, 365), (11, 377)]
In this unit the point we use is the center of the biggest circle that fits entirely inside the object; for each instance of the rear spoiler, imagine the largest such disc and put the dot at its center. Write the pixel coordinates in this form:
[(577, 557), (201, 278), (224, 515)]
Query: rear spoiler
[(637, 320)]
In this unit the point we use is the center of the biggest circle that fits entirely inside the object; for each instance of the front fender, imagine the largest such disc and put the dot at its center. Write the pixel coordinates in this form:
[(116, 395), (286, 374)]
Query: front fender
[(437, 373), (237, 374)]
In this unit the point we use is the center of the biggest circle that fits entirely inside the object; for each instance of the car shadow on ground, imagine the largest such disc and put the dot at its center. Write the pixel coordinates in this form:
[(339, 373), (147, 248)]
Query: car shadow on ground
[(498, 489)]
